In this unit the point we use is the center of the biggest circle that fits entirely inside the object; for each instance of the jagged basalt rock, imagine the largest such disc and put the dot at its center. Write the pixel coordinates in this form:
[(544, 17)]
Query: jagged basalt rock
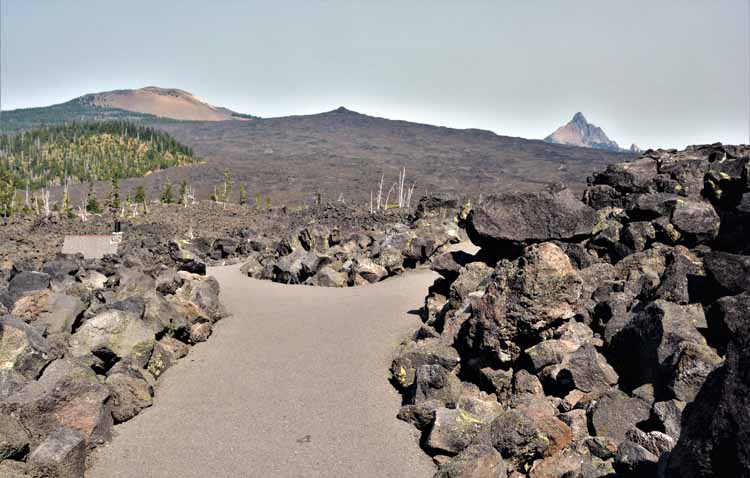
[(634, 460), (328, 277), (323, 256), (166, 353), (470, 278), (80, 404), (730, 272), (668, 415), (615, 413), (416, 354), (613, 334), (632, 177), (74, 353), (28, 281), (690, 366), (435, 383), (453, 430), (584, 369), (23, 349), (646, 344), (712, 440), (62, 454), (54, 312), (504, 220), (476, 461), (132, 390), (517, 437), (522, 300), (114, 333), (14, 439)]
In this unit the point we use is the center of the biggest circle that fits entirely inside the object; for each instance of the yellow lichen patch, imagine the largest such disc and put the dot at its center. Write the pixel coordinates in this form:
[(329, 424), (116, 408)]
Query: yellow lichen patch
[(468, 417), (156, 366), (401, 375)]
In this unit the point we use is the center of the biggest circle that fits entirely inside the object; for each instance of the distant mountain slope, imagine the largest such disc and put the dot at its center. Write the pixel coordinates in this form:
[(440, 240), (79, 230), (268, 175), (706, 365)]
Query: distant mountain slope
[(151, 105), (579, 132), (76, 110), (84, 152), (163, 102), (342, 154)]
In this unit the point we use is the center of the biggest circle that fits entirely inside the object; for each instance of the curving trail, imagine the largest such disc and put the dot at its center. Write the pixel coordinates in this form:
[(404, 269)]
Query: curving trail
[(295, 384)]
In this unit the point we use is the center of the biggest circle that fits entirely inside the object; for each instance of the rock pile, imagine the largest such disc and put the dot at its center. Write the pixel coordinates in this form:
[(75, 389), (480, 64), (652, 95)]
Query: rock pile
[(603, 337), (321, 256), (81, 346)]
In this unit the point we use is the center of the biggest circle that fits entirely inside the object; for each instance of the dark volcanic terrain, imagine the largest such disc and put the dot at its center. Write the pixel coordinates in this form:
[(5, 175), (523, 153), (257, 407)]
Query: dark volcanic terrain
[(339, 155), (345, 153)]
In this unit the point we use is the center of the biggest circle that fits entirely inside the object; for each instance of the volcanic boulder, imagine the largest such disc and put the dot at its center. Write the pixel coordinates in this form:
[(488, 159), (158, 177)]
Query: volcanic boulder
[(714, 439), (22, 348), (509, 218), (526, 297)]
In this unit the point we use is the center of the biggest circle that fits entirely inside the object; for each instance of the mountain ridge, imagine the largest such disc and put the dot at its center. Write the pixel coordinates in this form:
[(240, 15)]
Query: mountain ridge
[(149, 105), (579, 132), (343, 153), (172, 103)]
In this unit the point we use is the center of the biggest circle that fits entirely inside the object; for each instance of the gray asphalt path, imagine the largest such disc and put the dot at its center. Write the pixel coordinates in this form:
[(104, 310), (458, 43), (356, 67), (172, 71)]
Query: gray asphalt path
[(295, 384)]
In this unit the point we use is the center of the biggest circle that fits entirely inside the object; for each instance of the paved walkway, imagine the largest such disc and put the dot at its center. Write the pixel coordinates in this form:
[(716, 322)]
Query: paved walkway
[(295, 384)]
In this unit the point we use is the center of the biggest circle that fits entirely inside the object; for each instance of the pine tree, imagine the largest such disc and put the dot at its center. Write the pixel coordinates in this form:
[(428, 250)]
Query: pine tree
[(114, 196), (166, 195), (140, 195), (183, 192), (80, 152), (66, 198), (7, 192), (243, 195), (92, 203)]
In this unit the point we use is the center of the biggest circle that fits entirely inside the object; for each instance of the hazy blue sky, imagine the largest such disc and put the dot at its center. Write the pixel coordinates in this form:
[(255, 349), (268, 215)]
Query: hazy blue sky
[(658, 73)]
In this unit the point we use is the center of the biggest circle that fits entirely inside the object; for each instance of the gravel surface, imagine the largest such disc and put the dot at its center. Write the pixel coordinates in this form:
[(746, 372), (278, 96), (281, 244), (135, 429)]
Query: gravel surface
[(294, 385)]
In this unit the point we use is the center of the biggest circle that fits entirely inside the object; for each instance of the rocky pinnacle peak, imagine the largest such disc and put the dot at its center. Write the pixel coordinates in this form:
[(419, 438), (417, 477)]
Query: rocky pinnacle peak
[(579, 118), (579, 132)]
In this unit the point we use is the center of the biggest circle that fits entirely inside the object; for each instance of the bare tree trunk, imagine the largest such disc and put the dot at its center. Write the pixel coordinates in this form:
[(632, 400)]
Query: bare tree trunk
[(401, 179), (45, 198), (65, 198), (389, 195), (82, 210), (408, 195), (380, 190)]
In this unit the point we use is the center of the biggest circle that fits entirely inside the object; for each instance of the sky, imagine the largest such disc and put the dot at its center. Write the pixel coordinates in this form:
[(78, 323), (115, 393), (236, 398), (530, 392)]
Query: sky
[(663, 73)]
